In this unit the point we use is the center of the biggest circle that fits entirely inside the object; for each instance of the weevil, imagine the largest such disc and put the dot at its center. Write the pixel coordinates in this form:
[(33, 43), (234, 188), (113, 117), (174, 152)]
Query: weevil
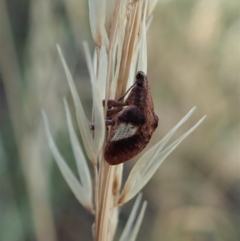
[(133, 122)]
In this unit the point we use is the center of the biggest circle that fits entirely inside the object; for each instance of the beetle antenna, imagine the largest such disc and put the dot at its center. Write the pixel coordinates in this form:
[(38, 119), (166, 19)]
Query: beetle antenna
[(126, 92)]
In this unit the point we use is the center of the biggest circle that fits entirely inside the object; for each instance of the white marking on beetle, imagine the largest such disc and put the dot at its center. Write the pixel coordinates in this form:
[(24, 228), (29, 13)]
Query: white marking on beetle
[(124, 131)]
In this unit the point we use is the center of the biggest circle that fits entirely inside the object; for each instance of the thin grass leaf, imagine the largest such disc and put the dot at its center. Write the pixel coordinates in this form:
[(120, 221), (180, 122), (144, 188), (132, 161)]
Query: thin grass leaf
[(138, 223), (92, 18), (97, 20), (83, 170), (81, 117), (151, 6), (142, 61), (130, 222), (133, 69), (140, 55), (117, 51), (118, 178), (151, 160), (71, 180), (134, 27), (102, 70), (100, 8), (113, 223), (99, 122)]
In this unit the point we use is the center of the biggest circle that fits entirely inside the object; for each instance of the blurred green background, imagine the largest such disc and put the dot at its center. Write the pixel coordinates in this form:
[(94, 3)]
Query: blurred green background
[(193, 60)]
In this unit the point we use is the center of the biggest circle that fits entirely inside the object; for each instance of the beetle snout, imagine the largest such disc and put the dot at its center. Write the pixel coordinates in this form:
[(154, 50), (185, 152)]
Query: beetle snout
[(140, 78)]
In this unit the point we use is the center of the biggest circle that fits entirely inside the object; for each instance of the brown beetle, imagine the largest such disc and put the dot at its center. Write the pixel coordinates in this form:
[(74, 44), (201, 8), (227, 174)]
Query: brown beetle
[(133, 122)]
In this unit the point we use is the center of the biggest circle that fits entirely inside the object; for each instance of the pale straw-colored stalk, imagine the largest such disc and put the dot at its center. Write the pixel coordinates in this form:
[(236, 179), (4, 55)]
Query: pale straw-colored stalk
[(119, 31)]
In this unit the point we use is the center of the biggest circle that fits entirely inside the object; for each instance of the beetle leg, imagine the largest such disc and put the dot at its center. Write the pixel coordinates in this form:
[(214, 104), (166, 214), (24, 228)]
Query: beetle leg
[(114, 103), (112, 112), (108, 122)]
